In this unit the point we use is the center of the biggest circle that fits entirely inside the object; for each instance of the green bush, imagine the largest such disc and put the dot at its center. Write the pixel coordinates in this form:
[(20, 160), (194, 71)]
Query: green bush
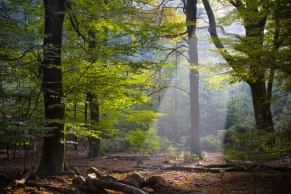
[(190, 158), (252, 146), (210, 142), (144, 142), (165, 143), (183, 142), (116, 143), (170, 154)]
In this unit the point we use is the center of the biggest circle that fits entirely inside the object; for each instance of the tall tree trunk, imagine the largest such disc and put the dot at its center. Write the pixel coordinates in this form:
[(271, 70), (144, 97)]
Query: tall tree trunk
[(190, 11), (95, 149), (53, 150)]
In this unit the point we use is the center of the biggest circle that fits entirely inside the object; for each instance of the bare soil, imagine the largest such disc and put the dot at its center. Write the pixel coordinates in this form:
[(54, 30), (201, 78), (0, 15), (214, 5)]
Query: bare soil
[(211, 176)]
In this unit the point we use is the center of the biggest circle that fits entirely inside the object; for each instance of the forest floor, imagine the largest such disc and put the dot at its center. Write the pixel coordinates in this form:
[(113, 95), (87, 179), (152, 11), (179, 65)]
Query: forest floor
[(210, 176)]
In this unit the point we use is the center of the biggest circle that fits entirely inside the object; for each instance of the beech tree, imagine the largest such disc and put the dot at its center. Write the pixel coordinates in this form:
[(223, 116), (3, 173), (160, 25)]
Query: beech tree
[(110, 50), (20, 110), (190, 7), (53, 150), (250, 55)]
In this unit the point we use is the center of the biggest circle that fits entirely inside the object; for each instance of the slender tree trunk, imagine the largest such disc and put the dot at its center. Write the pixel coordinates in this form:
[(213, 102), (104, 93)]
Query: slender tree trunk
[(190, 11), (75, 144), (53, 150), (75, 138), (95, 149), (7, 150), (14, 151)]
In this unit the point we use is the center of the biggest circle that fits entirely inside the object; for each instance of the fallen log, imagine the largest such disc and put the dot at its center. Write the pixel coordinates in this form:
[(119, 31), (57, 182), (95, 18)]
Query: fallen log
[(84, 185), (200, 169), (76, 170), (26, 175), (161, 186), (116, 186), (133, 179)]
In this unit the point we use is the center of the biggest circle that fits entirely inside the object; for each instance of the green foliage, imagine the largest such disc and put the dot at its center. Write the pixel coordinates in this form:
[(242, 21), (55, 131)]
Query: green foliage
[(210, 142), (222, 173), (183, 141), (191, 158), (165, 143), (251, 146), (116, 143), (141, 117), (144, 142), (171, 154)]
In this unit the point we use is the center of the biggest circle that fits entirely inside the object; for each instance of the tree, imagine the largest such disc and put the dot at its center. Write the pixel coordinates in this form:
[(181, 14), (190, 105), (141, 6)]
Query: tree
[(53, 150), (191, 12), (278, 31), (21, 115), (246, 65)]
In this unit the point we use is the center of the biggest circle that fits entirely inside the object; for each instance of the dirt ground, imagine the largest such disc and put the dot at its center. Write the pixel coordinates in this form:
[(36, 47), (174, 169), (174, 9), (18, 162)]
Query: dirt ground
[(190, 176)]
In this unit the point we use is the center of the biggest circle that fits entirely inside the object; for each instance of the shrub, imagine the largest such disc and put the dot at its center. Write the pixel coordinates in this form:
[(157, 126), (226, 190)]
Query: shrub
[(190, 158), (252, 146), (170, 154), (165, 143), (210, 142), (183, 142), (144, 142), (117, 143)]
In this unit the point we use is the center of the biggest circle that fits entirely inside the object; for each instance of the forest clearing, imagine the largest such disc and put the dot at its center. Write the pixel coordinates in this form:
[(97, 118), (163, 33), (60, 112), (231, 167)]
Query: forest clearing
[(212, 176)]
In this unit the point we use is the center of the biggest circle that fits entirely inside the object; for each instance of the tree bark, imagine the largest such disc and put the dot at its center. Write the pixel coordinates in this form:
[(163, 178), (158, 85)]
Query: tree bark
[(190, 11), (53, 151), (262, 106)]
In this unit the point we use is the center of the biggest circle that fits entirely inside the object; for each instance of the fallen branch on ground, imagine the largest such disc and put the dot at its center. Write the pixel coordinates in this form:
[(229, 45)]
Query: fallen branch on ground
[(26, 175)]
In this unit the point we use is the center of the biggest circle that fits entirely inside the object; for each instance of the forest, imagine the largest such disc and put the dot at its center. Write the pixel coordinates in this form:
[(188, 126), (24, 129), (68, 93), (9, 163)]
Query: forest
[(145, 96)]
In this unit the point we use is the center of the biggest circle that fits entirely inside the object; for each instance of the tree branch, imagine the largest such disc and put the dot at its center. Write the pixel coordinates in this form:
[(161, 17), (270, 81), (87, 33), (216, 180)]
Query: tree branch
[(5, 57), (212, 30), (222, 31), (164, 87), (174, 36)]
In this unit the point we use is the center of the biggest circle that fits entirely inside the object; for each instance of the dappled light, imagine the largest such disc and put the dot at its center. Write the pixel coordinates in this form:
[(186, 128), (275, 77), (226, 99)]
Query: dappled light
[(145, 96)]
